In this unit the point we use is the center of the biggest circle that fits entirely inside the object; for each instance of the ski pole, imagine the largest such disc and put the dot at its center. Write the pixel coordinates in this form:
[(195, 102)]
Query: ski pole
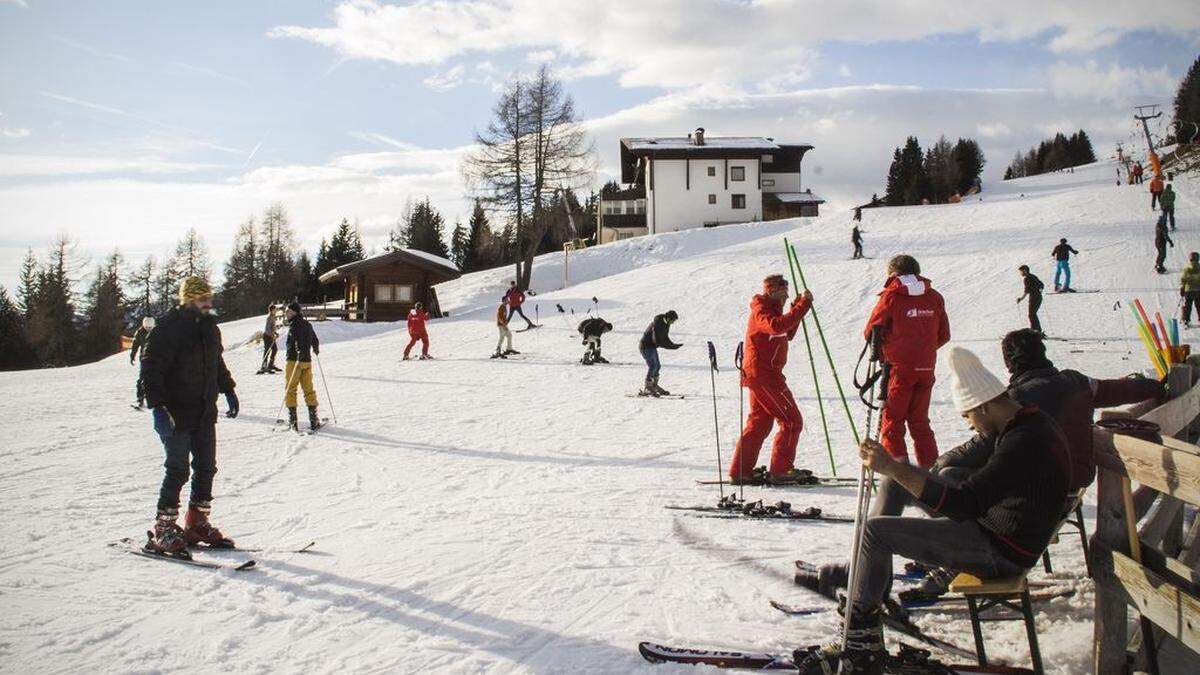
[(286, 388), (737, 361), (712, 374), (324, 383), (828, 355), (812, 362)]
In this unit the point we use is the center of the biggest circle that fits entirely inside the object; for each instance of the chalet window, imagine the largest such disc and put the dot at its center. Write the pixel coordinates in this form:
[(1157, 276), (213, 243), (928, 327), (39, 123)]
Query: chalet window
[(624, 235), (767, 159), (768, 182), (393, 293), (737, 173), (739, 201), (712, 199), (639, 207), (712, 170), (613, 208)]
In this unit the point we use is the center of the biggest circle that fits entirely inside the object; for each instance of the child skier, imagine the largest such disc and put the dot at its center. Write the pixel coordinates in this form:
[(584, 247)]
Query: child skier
[(417, 316), (139, 343), (592, 330), (502, 351), (1033, 291), (302, 345), (1189, 288), (913, 319), (1062, 254), (656, 337), (515, 298), (768, 332)]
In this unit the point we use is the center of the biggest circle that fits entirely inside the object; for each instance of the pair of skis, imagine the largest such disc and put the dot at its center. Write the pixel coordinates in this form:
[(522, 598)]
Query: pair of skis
[(732, 507), (130, 546), (909, 661)]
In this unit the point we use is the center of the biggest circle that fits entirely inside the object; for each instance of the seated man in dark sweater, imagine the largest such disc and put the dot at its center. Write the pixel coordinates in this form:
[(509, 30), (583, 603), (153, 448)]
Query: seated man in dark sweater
[(997, 522)]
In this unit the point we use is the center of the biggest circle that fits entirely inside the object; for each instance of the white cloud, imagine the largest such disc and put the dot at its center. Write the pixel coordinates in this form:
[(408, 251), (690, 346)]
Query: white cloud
[(446, 81), (1111, 84), (382, 140), (60, 166), (993, 129), (844, 71), (15, 132), (18, 3)]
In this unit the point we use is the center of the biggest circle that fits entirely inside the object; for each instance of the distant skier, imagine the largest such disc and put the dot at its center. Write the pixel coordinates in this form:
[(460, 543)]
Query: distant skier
[(1161, 241), (1167, 201), (515, 298), (913, 318), (768, 332), (656, 337), (1137, 173), (1156, 190), (857, 241), (417, 317), (592, 330), (302, 345), (502, 351), (270, 349), (183, 371), (1033, 291), (1189, 288), (1062, 254), (139, 344)]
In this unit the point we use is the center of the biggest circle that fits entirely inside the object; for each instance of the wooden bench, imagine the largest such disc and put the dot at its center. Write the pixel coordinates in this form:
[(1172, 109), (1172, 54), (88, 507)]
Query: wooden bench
[(984, 595)]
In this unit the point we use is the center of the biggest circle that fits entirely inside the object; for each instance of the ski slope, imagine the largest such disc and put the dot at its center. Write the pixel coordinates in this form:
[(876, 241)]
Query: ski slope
[(474, 515)]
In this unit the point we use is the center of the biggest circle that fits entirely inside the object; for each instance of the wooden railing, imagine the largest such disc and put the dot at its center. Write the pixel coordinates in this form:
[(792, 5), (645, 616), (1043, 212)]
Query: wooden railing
[(1151, 568)]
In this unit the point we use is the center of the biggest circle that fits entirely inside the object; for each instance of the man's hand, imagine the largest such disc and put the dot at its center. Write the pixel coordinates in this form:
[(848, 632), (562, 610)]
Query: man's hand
[(231, 400), (164, 424), (875, 457)]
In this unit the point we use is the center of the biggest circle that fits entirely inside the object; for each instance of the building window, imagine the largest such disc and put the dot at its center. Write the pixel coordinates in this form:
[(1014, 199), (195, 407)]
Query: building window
[(613, 208), (624, 235), (639, 207), (737, 173), (768, 182), (712, 199), (739, 201), (767, 159), (712, 170), (393, 293)]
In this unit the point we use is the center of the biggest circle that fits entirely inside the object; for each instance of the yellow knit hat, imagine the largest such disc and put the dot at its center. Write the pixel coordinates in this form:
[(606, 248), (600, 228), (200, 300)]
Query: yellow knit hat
[(193, 288)]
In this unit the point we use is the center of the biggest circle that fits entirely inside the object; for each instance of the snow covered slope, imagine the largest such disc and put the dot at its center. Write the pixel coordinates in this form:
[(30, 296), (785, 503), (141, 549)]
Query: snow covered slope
[(474, 515)]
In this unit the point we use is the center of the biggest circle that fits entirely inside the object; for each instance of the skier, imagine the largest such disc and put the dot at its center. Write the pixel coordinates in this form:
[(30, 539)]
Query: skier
[(1167, 201), (1161, 240), (515, 298), (913, 318), (592, 330), (1156, 189), (270, 334), (183, 372), (656, 337), (1033, 290), (417, 316), (768, 332), (996, 524), (1137, 173), (1062, 254), (856, 240), (503, 352), (302, 345), (1189, 288), (139, 344)]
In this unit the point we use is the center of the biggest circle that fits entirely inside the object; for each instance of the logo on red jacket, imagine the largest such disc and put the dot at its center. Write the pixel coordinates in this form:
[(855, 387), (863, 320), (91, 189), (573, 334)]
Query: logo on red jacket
[(916, 313)]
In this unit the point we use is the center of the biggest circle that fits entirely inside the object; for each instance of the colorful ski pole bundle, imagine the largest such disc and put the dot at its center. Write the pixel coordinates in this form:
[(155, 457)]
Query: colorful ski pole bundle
[(1162, 344)]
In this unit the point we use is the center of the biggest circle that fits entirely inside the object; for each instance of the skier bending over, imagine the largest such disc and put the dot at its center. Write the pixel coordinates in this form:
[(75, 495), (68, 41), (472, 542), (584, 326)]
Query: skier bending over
[(996, 524), (502, 352), (183, 371), (1033, 291), (592, 330), (302, 344), (768, 332), (1161, 240), (913, 319), (270, 334), (1062, 254), (139, 344), (417, 316), (1189, 288), (656, 337), (515, 298)]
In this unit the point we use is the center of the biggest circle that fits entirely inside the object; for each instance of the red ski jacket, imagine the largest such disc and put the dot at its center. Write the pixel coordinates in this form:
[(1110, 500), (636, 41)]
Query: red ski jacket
[(514, 297), (416, 321), (767, 334), (913, 317)]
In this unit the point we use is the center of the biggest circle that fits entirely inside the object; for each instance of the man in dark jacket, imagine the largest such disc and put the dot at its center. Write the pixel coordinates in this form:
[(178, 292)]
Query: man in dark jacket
[(139, 344), (1033, 291), (302, 344), (592, 330), (1062, 256), (856, 238), (183, 371), (1161, 240), (656, 337)]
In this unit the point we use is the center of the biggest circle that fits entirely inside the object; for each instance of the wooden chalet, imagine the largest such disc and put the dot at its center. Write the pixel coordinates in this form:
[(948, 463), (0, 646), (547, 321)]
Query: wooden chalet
[(385, 287)]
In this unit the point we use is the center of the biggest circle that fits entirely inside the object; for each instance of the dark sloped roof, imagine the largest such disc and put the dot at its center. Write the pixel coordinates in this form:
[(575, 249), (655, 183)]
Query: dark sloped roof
[(426, 261)]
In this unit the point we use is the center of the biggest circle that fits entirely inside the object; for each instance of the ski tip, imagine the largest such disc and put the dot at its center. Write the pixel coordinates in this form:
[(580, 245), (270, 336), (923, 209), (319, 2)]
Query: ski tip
[(248, 565)]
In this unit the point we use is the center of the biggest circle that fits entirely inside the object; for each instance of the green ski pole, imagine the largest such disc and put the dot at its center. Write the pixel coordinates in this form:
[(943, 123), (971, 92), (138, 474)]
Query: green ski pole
[(812, 362)]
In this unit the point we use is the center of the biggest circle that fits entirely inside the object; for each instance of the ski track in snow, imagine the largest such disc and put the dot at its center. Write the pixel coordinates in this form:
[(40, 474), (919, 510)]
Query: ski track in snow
[(474, 515)]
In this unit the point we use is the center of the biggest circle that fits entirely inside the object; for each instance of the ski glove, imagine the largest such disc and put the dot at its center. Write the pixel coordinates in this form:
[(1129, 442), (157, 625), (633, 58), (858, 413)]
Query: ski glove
[(163, 424), (231, 400)]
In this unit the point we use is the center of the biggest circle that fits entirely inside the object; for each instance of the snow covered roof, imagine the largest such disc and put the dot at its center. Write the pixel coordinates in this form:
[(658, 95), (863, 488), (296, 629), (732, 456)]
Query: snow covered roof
[(710, 143), (428, 261), (796, 197), (435, 259)]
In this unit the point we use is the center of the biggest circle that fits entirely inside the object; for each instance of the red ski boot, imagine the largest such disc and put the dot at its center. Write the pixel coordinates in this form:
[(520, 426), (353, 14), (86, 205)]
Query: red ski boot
[(167, 537), (198, 531)]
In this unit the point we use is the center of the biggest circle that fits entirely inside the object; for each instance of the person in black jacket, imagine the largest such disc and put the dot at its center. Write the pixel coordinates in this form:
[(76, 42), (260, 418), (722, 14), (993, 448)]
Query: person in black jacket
[(139, 344), (856, 237), (656, 337), (1033, 290), (1161, 239), (302, 344), (592, 330), (183, 371), (1062, 256)]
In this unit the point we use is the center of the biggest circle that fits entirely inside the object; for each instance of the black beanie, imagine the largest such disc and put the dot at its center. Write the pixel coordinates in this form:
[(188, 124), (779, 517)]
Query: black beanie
[(671, 315), (295, 307), (1024, 350)]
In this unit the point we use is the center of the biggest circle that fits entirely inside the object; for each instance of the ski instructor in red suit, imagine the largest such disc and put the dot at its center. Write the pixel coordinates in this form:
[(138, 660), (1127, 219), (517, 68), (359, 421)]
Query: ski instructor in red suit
[(913, 318), (767, 335)]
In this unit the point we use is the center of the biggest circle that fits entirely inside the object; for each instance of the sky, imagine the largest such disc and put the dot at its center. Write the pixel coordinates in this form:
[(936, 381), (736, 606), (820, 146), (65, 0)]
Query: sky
[(123, 124)]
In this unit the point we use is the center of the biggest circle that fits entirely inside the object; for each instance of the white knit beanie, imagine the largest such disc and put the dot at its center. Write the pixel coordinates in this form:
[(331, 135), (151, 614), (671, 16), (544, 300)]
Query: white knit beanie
[(971, 383)]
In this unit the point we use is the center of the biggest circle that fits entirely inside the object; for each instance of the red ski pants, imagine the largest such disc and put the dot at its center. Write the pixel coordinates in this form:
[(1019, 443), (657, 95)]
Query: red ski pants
[(412, 340), (768, 404), (908, 403)]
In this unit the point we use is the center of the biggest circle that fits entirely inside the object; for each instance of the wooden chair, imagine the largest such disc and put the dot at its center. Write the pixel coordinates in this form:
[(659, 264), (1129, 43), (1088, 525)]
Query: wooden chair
[(1010, 593)]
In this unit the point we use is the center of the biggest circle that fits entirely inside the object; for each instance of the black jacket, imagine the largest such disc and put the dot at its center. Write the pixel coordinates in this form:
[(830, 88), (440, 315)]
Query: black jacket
[(594, 327), (1161, 238), (302, 341), (183, 369), (139, 342), (656, 335), (1063, 252), (1018, 496), (1033, 285)]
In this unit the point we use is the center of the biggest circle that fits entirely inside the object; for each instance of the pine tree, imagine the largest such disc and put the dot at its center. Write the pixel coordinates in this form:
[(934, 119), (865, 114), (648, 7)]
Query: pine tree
[(893, 193), (166, 287), (459, 239), (423, 229), (104, 317), (27, 291), (191, 256), (308, 284), (1187, 106), (479, 253), (242, 294), (970, 160), (277, 266), (941, 171), (141, 283), (51, 323), (343, 248), (16, 351)]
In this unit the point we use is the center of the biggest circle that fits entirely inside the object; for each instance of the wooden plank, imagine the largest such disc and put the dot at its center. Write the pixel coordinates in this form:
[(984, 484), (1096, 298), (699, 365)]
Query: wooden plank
[(1176, 612), (1167, 470), (1178, 413), (1110, 618)]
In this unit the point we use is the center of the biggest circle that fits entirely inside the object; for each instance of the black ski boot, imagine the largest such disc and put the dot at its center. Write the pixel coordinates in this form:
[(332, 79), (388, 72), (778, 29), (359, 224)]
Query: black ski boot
[(498, 355), (660, 390), (648, 388), (293, 423), (864, 653), (510, 352), (599, 359), (167, 537), (314, 422), (826, 579)]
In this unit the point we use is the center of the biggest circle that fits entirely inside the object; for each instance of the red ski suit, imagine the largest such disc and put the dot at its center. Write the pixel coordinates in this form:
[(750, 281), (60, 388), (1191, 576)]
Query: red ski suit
[(915, 326), (416, 331), (767, 335)]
